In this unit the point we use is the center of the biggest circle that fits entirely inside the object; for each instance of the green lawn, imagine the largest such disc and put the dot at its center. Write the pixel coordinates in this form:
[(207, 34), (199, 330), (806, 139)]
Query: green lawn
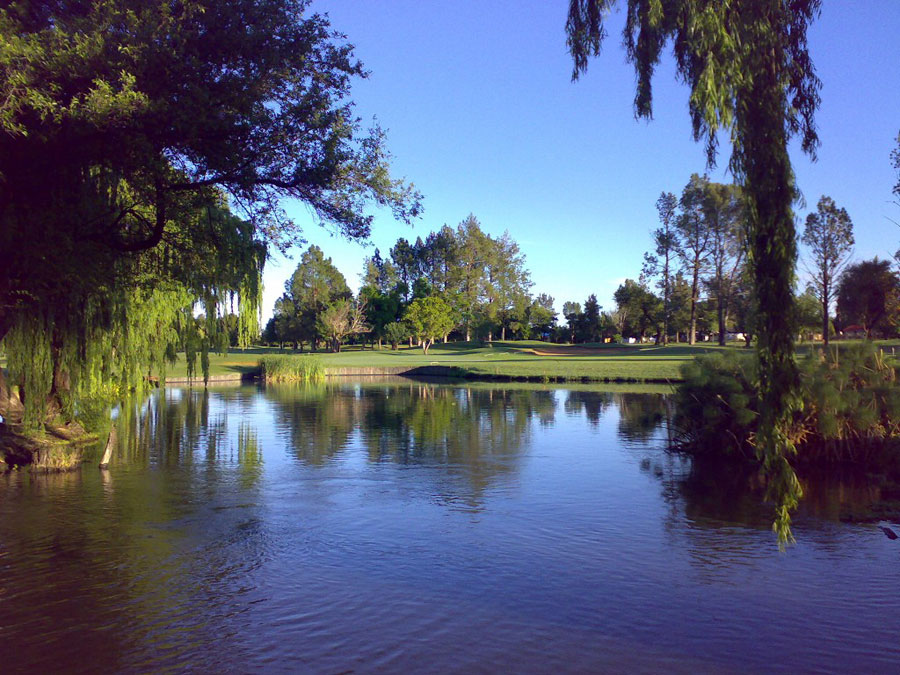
[(500, 359), (511, 359)]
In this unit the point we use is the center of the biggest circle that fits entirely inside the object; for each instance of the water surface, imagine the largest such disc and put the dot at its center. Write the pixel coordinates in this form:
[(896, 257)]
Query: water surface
[(384, 526)]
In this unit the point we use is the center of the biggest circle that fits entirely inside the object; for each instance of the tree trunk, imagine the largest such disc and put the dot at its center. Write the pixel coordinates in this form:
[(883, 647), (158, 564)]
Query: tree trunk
[(503, 332), (692, 337), (825, 293), (665, 334), (720, 310)]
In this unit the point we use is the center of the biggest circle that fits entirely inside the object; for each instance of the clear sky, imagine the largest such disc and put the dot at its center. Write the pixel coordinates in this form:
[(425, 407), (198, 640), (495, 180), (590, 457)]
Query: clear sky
[(483, 118)]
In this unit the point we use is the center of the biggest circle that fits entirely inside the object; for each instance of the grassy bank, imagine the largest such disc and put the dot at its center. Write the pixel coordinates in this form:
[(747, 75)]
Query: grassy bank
[(500, 360), (524, 360)]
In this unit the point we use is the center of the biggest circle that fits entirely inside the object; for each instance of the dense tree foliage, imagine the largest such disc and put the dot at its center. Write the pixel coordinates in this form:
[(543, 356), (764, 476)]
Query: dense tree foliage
[(694, 237), (809, 313), (127, 130), (726, 220), (314, 287), (829, 236), (868, 295), (482, 278), (429, 318)]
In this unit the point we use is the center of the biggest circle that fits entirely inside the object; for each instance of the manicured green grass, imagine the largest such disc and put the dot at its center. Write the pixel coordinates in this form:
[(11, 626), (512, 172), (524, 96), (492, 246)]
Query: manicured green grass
[(511, 359), (500, 359)]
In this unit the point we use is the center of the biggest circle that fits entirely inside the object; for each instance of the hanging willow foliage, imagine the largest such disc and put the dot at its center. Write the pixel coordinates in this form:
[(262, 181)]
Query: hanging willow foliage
[(73, 356)]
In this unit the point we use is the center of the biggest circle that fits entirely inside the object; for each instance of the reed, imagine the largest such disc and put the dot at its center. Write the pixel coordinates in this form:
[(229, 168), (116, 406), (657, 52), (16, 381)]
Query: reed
[(291, 368)]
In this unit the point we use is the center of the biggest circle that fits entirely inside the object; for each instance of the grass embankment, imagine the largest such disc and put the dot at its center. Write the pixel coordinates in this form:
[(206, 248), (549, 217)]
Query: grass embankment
[(527, 360), (519, 360)]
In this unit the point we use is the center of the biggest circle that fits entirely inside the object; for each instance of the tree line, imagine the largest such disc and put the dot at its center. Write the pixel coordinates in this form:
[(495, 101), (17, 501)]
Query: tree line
[(460, 282), (696, 280), (695, 283)]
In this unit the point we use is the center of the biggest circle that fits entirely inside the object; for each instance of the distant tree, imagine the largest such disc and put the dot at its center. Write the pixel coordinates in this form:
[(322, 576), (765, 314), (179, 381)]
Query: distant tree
[(809, 313), (341, 319), (639, 310), (869, 295), (607, 325), (441, 257), (396, 332), (588, 327), (379, 273), (542, 316), (829, 235), (428, 318), (469, 276), (382, 309), (725, 216), (680, 307), (270, 334), (314, 286), (572, 313), (694, 239), (744, 304), (661, 262), (405, 262)]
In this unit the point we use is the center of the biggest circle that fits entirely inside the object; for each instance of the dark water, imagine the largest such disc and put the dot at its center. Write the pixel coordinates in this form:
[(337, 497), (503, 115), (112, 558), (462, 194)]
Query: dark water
[(397, 527)]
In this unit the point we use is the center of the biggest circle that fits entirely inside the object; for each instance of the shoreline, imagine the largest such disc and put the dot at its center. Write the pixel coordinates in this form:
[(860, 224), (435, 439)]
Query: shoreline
[(447, 372)]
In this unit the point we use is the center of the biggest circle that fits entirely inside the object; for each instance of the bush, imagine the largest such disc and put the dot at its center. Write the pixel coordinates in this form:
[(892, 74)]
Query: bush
[(848, 410)]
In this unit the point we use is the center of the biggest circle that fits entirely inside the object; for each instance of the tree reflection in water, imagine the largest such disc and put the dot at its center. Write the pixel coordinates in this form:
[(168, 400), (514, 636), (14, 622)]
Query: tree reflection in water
[(473, 434)]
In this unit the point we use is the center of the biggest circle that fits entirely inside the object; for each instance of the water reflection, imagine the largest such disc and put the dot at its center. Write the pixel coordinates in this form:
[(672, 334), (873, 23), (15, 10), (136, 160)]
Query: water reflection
[(237, 529)]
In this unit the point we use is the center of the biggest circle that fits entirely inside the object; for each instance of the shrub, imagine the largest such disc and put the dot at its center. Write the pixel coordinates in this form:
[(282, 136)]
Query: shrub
[(848, 408)]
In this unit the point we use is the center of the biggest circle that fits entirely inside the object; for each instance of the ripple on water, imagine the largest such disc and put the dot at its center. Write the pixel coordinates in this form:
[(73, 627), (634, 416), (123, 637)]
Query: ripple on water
[(427, 528)]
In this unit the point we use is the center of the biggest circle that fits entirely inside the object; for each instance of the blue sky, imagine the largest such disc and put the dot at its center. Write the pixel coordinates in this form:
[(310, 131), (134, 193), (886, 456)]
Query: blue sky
[(482, 116)]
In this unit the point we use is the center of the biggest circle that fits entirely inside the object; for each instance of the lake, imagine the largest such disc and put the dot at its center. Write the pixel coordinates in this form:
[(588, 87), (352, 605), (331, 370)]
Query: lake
[(399, 525)]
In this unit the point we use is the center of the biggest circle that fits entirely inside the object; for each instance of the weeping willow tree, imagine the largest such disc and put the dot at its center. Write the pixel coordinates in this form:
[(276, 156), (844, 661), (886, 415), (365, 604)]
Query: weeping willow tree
[(750, 74), (128, 128), (74, 353)]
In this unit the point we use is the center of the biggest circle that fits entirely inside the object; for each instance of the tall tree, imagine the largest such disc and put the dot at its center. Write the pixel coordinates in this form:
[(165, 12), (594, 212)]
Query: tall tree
[(661, 262), (589, 321), (869, 295), (542, 316), (694, 237), (725, 216), (747, 64), (572, 313), (127, 127), (315, 285), (829, 235)]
